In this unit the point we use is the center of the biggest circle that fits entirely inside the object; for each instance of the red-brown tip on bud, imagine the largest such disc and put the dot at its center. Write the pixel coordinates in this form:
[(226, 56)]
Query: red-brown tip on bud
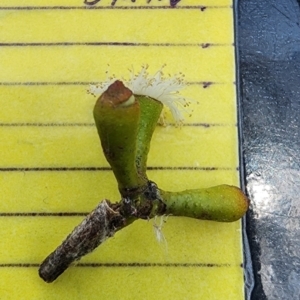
[(116, 94)]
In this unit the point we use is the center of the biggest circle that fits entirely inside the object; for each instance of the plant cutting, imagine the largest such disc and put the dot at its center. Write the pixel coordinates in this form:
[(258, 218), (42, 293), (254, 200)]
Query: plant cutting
[(126, 116)]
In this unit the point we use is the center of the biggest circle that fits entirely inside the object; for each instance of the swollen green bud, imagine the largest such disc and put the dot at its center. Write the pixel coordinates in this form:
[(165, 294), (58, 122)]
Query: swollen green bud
[(222, 203), (117, 115)]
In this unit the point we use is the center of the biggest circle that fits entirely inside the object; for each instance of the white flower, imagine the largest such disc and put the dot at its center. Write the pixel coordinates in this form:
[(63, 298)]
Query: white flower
[(157, 86)]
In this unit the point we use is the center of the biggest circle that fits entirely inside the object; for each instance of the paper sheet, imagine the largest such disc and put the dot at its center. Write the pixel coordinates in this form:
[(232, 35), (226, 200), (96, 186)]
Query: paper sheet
[(53, 172)]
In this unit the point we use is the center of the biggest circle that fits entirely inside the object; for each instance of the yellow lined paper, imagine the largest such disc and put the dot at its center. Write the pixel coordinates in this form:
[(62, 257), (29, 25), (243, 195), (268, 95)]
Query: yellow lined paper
[(52, 170)]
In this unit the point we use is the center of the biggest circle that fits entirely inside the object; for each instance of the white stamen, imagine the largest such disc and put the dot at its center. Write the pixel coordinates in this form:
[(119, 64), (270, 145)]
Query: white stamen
[(157, 86)]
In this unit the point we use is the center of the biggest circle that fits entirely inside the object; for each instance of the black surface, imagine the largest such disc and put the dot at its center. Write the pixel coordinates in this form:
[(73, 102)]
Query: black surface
[(268, 43)]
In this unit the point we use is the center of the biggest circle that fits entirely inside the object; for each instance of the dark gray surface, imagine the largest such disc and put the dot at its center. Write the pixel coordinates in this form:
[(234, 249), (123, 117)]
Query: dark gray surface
[(268, 42)]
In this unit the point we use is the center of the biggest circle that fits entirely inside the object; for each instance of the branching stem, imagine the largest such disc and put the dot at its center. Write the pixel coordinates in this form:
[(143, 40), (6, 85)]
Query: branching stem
[(125, 124)]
